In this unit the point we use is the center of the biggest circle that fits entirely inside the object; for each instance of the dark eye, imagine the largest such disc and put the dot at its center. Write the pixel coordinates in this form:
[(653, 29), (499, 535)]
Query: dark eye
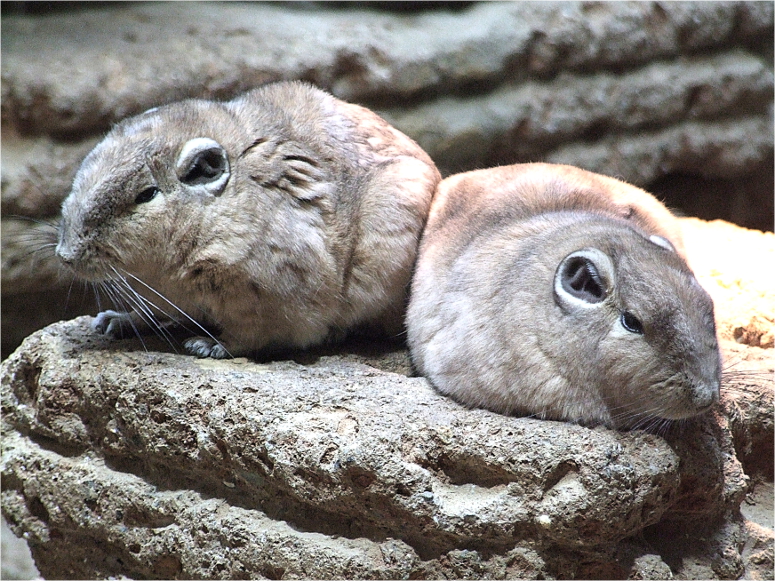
[(146, 195), (632, 323)]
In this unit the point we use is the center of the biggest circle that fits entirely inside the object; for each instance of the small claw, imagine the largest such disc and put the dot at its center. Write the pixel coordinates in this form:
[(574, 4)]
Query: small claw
[(206, 347), (112, 323)]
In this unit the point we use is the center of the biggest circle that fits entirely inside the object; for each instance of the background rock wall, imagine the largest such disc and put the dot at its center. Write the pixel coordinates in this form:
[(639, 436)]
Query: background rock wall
[(673, 96)]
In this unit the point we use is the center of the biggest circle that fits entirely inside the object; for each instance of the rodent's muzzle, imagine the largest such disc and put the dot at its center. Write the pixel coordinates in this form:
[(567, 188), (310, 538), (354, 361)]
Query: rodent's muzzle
[(705, 397), (78, 259), (66, 255), (702, 396)]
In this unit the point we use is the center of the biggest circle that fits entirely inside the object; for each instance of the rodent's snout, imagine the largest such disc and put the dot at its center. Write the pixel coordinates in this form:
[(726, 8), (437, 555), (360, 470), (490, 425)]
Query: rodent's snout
[(704, 367), (699, 395), (70, 249), (706, 395), (65, 253)]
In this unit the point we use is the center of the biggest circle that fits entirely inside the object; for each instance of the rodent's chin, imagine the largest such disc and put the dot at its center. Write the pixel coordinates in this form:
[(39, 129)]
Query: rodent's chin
[(94, 273), (663, 415), (679, 414)]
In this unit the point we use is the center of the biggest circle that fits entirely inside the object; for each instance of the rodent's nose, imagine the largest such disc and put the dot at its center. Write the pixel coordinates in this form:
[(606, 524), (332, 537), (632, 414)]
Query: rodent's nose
[(706, 395), (65, 255)]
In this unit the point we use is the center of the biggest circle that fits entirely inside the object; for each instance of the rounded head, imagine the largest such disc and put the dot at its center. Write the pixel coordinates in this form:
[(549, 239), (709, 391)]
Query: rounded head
[(639, 325), (561, 311), (143, 186)]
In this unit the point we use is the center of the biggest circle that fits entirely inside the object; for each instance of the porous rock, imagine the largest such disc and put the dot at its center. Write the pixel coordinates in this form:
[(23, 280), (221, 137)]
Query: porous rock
[(334, 447), (179, 467)]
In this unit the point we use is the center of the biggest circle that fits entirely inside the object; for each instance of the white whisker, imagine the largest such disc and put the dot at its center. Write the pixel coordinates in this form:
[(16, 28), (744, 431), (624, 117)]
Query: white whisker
[(171, 304), (142, 307), (117, 297)]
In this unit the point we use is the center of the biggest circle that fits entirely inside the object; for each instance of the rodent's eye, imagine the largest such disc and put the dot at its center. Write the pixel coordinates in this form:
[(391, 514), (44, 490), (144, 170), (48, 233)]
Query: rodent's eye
[(631, 323), (146, 195)]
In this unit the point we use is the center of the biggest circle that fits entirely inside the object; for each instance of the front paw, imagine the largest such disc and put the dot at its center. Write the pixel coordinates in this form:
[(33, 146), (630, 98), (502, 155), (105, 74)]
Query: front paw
[(206, 347), (114, 324)]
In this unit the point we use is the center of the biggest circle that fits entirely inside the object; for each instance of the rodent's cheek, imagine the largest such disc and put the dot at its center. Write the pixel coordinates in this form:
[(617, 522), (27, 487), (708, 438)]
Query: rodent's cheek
[(144, 222), (679, 397), (126, 244), (629, 362), (139, 243)]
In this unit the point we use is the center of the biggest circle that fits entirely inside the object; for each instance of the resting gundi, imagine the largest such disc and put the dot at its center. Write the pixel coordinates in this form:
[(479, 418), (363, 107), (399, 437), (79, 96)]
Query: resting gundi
[(550, 291)]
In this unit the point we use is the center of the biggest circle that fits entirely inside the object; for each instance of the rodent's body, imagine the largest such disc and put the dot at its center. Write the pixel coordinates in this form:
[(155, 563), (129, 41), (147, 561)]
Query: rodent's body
[(280, 218), (550, 291)]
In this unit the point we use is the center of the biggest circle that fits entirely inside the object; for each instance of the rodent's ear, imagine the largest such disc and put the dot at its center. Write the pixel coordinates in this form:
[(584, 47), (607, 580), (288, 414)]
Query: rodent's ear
[(662, 241), (204, 164), (584, 278)]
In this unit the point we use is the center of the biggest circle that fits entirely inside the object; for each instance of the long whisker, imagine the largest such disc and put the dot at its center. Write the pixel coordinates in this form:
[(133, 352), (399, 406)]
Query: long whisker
[(117, 296), (97, 297), (173, 305), (51, 224), (143, 308), (649, 419)]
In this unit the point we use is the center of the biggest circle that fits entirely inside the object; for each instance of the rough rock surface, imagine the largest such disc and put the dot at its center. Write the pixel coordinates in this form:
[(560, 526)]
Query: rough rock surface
[(120, 459), (677, 96), (361, 55)]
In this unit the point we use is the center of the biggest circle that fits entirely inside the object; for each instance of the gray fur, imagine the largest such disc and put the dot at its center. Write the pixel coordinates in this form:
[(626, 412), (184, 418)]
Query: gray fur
[(310, 229), (489, 324)]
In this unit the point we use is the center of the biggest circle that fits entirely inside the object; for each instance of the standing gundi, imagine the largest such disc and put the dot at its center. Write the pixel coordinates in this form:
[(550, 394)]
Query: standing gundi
[(550, 291), (282, 218)]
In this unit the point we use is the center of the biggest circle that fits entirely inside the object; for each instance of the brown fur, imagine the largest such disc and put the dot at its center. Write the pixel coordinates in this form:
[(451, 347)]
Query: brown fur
[(490, 323), (314, 233)]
